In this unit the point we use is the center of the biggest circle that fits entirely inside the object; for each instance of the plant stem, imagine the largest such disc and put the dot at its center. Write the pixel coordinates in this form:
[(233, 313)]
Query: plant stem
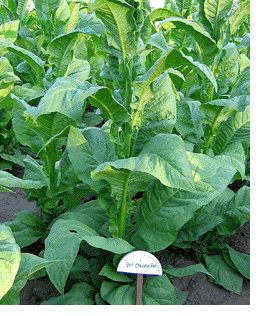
[(123, 213), (51, 166)]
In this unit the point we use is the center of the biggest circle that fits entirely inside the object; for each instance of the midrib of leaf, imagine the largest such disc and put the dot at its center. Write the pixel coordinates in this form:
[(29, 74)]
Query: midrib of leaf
[(63, 54)]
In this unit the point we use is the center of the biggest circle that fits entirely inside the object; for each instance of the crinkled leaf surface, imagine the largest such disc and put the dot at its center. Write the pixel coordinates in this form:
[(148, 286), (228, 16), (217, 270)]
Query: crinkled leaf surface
[(163, 211)]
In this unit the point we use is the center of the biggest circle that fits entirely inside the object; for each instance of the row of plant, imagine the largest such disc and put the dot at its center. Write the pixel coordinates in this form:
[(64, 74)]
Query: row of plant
[(164, 154)]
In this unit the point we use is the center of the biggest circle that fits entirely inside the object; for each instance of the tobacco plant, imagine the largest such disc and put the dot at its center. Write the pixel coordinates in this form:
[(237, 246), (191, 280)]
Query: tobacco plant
[(159, 156)]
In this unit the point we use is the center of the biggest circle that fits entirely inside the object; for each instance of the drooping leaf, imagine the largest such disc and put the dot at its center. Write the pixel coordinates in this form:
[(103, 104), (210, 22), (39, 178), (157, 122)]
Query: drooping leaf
[(63, 243), (235, 129), (241, 261), (110, 272), (206, 44), (189, 270), (163, 157), (80, 294), (223, 274)]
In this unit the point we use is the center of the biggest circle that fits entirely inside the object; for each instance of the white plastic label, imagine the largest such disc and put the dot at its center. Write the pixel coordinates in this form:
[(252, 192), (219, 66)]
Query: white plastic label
[(140, 262)]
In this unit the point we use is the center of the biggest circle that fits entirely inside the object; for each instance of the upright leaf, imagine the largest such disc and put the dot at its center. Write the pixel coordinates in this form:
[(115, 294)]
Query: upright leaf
[(239, 16), (61, 51), (216, 12), (9, 30), (121, 29)]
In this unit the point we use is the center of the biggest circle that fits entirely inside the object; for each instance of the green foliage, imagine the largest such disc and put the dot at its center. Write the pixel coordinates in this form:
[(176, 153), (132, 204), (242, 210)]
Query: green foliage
[(145, 111)]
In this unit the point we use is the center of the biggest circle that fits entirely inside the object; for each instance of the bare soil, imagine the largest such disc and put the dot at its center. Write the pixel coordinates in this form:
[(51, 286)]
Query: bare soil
[(201, 291)]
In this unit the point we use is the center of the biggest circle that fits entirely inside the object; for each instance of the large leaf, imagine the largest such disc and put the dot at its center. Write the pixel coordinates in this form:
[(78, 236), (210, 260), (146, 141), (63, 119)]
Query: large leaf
[(121, 29), (216, 12), (28, 266), (63, 243), (34, 61), (10, 257), (239, 16), (8, 180), (189, 123), (45, 9), (163, 157), (80, 294), (207, 47), (156, 291), (223, 274), (163, 211), (61, 51), (235, 213), (183, 5), (189, 270), (92, 146), (9, 31), (159, 111), (235, 129)]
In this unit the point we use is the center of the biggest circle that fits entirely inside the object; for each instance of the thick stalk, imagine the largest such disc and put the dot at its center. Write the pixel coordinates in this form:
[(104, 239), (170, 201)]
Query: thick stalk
[(123, 213), (128, 99), (51, 166)]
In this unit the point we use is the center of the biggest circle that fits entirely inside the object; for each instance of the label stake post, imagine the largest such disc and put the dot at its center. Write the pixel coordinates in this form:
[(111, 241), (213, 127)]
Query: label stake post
[(139, 289), (140, 263)]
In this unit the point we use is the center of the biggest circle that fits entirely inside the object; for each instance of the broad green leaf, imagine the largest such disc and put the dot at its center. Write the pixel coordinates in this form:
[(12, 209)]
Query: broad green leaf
[(63, 243), (163, 211), (24, 235), (73, 19), (183, 5), (27, 92), (216, 12), (159, 14), (241, 261), (22, 8), (29, 218), (34, 61), (235, 129), (29, 265), (197, 226), (223, 274), (189, 123), (182, 272), (78, 69), (9, 30), (206, 45), (158, 114), (10, 257), (237, 19), (92, 146), (228, 68), (103, 99), (8, 180), (110, 272), (65, 96), (61, 51), (238, 103), (90, 214), (80, 294), (63, 11), (234, 156), (122, 33), (236, 213), (117, 294), (26, 136), (163, 157), (242, 84), (90, 24), (156, 291), (45, 9)]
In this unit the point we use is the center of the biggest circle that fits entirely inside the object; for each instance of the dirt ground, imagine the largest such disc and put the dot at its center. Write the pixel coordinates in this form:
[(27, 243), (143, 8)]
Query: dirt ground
[(201, 291)]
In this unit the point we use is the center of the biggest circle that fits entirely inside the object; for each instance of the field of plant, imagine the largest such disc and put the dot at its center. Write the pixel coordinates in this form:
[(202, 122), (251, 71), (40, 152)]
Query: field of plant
[(145, 111)]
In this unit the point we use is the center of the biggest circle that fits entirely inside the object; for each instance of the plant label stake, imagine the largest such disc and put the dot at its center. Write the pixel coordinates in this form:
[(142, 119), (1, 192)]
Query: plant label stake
[(140, 263)]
